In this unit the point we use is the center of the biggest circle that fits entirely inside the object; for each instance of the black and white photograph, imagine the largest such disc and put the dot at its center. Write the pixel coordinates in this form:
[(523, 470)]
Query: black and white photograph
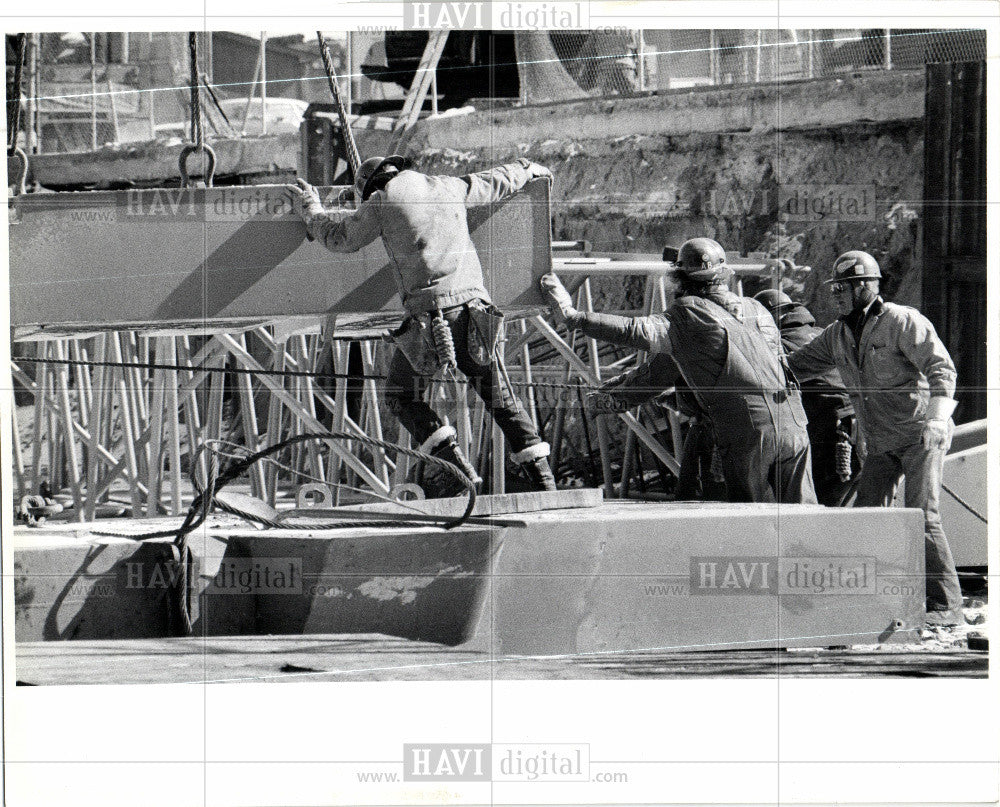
[(566, 403)]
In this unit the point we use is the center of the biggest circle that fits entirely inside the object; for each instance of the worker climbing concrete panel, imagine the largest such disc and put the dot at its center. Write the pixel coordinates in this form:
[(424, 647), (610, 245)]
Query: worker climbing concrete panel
[(170, 256)]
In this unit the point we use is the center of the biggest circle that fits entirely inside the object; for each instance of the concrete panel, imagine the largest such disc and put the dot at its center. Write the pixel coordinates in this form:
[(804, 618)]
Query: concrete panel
[(623, 576), (82, 589), (965, 477), (155, 162), (179, 256), (430, 585), (965, 473), (634, 579), (882, 96)]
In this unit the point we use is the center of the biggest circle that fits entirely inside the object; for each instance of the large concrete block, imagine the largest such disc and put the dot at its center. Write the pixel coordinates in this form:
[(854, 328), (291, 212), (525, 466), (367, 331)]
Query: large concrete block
[(418, 584), (428, 584), (620, 577), (79, 588), (965, 477), (964, 497), (680, 576), (184, 255)]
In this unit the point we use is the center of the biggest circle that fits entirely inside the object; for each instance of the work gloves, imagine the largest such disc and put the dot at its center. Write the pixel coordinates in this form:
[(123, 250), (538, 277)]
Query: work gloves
[(938, 427), (535, 169), (556, 297), (304, 198)]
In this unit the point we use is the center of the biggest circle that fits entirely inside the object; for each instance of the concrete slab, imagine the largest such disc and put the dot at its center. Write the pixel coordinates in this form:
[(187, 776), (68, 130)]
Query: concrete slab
[(420, 583), (624, 576), (965, 474), (689, 577)]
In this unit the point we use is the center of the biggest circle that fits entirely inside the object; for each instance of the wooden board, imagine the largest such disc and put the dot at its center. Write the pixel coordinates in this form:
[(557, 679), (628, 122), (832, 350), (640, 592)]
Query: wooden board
[(299, 659), (133, 258), (488, 505)]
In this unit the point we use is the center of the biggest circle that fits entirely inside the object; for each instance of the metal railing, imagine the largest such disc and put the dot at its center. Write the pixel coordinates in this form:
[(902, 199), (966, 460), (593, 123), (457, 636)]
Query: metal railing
[(627, 62)]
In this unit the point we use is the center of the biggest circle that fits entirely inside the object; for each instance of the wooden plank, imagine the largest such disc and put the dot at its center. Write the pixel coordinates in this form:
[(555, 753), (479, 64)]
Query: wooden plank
[(173, 416), (488, 505), (68, 434), (157, 430), (293, 405), (374, 657), (120, 385), (98, 407), (602, 428), (576, 363), (251, 434)]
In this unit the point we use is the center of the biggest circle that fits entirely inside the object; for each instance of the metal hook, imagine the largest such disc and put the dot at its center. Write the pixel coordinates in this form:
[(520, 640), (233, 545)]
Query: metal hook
[(186, 152), (22, 180)]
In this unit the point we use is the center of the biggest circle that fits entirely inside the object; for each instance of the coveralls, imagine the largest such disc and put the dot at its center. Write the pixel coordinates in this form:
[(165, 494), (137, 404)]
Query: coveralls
[(824, 398), (647, 382), (891, 374), (729, 352), (422, 222)]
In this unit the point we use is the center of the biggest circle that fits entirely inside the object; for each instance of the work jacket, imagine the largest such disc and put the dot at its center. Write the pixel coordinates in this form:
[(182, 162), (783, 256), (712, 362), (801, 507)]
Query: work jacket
[(798, 328), (422, 222), (890, 376), (729, 353)]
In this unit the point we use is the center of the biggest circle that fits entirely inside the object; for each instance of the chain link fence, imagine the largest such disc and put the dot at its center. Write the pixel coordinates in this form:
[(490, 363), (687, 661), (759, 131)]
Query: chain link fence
[(567, 64)]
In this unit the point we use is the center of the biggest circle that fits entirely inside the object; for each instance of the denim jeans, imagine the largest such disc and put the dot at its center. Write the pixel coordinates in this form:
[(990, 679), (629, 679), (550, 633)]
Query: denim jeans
[(404, 387), (923, 468)]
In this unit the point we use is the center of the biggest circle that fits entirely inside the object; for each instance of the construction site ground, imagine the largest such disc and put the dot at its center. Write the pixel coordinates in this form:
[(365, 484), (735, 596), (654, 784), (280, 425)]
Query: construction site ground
[(960, 651), (944, 653)]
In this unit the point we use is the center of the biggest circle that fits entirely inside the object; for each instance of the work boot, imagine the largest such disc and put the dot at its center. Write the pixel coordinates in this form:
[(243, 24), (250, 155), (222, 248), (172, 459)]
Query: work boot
[(436, 481), (535, 464), (945, 619), (556, 297)]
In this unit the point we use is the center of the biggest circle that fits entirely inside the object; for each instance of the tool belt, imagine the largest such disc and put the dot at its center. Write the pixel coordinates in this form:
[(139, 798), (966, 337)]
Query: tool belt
[(415, 337)]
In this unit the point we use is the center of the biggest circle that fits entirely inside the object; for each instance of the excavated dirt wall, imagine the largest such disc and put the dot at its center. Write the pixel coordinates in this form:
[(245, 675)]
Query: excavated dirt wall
[(841, 168)]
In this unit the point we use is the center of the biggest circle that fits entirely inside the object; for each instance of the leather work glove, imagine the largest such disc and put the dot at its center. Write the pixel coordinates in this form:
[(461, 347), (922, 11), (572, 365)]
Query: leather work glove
[(304, 198), (556, 297), (938, 427), (536, 169), (541, 171)]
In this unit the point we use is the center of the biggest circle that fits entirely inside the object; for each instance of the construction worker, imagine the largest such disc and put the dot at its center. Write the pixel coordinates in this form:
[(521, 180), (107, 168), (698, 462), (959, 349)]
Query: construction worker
[(450, 318), (824, 399), (729, 352), (902, 382), (649, 383)]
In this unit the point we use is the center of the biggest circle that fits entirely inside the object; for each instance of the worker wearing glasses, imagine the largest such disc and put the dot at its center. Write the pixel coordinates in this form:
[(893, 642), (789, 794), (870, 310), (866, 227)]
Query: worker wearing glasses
[(902, 383)]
